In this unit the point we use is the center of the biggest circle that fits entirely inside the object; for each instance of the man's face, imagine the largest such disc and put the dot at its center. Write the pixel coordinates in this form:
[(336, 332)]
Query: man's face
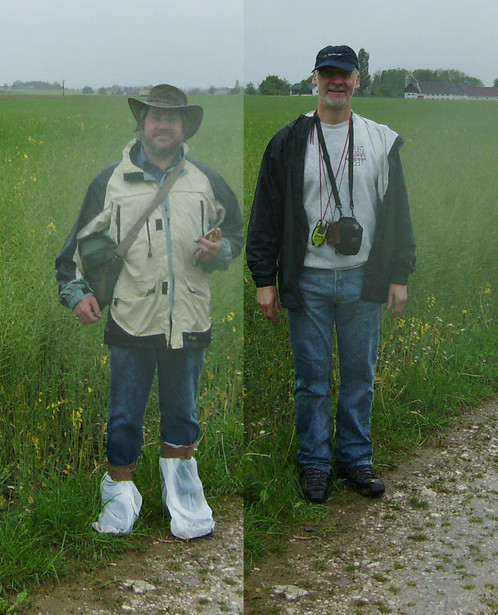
[(162, 133), (336, 86)]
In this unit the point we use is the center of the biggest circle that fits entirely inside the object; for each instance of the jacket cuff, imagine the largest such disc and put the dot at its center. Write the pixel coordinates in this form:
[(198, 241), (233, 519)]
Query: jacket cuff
[(399, 278), (73, 292), (265, 281)]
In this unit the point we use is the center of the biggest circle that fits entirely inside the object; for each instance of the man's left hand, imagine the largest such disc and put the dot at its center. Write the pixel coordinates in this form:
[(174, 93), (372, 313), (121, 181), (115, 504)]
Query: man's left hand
[(397, 297), (209, 250)]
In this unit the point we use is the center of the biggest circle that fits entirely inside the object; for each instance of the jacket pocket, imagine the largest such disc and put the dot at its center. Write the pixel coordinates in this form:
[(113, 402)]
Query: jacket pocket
[(192, 306), (137, 315)]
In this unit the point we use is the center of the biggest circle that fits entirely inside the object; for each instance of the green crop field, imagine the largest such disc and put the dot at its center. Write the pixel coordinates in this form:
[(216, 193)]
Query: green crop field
[(436, 361), (54, 373)]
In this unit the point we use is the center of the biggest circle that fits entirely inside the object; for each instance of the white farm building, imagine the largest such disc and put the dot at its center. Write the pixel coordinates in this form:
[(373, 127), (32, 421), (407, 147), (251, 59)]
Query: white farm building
[(449, 91)]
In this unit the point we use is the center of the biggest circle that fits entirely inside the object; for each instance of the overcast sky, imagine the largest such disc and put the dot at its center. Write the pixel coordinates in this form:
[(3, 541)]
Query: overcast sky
[(217, 42), (283, 36)]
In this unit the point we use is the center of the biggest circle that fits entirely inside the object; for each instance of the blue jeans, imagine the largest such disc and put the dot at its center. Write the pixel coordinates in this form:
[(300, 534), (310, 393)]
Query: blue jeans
[(332, 298), (132, 373)]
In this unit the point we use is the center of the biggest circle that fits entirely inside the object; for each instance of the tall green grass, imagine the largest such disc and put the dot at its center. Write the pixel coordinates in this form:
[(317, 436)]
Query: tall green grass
[(436, 361), (54, 373)]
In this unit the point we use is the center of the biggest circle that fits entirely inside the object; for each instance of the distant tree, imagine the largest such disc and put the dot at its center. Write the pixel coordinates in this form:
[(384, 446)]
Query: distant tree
[(102, 91), (363, 57), (212, 90), (87, 90), (425, 74), (274, 86), (474, 81), (449, 75), (36, 85), (495, 83), (116, 89), (250, 90), (306, 85), (390, 83)]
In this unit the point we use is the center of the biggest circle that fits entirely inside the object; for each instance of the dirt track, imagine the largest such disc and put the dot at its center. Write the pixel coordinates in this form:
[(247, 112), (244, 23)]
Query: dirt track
[(202, 576), (429, 546)]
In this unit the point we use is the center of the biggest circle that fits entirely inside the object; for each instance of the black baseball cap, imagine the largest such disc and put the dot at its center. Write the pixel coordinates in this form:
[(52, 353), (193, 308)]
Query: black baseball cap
[(340, 56)]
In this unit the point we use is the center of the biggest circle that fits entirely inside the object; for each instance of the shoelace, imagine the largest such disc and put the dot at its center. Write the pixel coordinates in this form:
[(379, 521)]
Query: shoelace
[(363, 473), (315, 477)]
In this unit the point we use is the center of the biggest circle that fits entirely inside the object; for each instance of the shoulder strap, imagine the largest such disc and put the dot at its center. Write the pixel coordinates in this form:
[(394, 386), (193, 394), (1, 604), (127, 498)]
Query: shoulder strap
[(161, 195), (326, 157)]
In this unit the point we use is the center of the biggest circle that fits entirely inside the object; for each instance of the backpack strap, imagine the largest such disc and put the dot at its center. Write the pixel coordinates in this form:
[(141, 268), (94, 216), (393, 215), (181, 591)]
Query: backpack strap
[(161, 195)]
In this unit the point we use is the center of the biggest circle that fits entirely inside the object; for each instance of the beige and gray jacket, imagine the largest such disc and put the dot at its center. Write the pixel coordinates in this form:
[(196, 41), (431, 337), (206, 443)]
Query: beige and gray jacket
[(162, 294)]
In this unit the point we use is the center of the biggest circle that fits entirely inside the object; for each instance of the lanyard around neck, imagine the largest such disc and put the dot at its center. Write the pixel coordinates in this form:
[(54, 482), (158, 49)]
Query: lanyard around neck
[(326, 157)]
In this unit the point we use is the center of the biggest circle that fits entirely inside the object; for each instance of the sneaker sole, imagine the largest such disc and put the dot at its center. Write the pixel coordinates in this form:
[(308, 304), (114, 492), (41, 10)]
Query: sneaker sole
[(365, 490)]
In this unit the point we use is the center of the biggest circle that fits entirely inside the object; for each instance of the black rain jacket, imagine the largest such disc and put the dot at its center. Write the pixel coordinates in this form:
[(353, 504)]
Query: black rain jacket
[(278, 227)]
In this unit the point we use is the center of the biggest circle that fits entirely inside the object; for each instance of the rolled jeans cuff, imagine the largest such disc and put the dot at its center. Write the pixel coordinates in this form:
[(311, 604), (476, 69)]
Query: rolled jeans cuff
[(176, 452), (120, 473)]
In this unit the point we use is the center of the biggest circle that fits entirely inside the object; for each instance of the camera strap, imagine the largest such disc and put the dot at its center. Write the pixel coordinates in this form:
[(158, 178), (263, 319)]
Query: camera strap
[(326, 157)]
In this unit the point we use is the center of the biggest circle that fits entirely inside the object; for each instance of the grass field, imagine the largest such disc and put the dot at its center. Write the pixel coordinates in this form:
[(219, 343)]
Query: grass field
[(436, 361), (54, 373)]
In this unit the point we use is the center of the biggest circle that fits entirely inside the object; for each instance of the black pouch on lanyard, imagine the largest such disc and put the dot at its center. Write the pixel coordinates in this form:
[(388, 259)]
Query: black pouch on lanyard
[(347, 233), (351, 233)]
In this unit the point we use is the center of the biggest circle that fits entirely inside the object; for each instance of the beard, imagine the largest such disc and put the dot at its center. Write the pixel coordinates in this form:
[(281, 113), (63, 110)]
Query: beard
[(339, 101), (159, 147)]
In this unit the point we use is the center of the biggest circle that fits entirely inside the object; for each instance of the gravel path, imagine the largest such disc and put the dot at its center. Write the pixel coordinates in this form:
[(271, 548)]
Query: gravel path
[(173, 577), (428, 547)]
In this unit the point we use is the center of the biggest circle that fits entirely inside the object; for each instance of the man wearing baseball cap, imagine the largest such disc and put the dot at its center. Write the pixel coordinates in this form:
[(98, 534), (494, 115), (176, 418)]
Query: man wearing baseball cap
[(330, 225), (158, 319)]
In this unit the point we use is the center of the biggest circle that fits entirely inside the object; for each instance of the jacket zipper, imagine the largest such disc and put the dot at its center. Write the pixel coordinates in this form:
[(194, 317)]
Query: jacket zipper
[(166, 212), (118, 223), (149, 254)]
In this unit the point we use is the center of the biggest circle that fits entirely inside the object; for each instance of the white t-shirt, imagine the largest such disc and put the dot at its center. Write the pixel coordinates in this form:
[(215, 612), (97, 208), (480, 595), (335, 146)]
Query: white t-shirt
[(365, 177)]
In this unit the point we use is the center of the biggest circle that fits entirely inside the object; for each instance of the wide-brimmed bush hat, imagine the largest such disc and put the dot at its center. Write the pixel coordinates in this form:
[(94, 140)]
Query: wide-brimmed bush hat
[(165, 96)]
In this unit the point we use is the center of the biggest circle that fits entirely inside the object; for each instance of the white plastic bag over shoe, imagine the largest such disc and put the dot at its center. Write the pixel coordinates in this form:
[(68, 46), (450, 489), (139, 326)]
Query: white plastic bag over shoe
[(183, 497), (121, 503)]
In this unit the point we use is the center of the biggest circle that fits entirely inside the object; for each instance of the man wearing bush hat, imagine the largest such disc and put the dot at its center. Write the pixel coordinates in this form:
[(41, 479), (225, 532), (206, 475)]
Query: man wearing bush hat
[(158, 318), (330, 224)]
